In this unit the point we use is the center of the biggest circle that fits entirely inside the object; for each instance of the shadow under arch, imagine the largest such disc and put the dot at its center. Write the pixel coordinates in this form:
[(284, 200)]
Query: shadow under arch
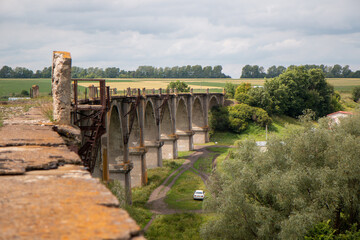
[(115, 138)]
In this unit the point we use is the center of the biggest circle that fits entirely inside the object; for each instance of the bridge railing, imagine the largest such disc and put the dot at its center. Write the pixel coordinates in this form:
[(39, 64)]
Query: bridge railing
[(93, 90)]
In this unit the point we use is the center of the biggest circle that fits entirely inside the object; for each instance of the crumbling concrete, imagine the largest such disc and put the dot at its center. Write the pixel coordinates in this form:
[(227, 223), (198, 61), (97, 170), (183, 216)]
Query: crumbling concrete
[(61, 87), (46, 193)]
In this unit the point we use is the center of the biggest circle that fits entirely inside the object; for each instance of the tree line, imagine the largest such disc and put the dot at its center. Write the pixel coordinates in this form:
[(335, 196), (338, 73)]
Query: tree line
[(336, 71), (196, 71)]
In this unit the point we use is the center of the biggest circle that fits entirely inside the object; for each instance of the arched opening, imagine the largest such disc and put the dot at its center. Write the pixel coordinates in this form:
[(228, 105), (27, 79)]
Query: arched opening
[(150, 124), (197, 114), (182, 120), (134, 139), (116, 144), (166, 123), (213, 102)]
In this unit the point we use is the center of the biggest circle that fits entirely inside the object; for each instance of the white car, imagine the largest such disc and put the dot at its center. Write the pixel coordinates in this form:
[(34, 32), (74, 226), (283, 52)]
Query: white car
[(199, 194)]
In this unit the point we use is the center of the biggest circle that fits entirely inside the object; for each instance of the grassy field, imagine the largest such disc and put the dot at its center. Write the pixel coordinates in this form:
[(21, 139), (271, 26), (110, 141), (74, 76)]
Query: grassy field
[(9, 87)]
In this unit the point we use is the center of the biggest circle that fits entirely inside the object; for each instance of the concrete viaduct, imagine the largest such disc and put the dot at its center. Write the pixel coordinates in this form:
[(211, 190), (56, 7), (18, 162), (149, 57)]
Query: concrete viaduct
[(133, 131), (160, 126)]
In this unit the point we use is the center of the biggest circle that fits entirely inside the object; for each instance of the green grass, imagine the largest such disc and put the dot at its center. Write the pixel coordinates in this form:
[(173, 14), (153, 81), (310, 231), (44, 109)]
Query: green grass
[(181, 194), (204, 164), (185, 226), (185, 154), (223, 153), (278, 127)]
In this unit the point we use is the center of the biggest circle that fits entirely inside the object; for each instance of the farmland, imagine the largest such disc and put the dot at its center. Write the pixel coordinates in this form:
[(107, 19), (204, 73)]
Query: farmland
[(12, 87)]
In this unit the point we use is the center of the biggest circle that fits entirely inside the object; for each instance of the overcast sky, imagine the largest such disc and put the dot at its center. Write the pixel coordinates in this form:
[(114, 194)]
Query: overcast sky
[(160, 33)]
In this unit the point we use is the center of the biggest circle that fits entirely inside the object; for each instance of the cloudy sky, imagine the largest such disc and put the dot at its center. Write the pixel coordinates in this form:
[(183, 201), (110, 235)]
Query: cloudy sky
[(160, 33)]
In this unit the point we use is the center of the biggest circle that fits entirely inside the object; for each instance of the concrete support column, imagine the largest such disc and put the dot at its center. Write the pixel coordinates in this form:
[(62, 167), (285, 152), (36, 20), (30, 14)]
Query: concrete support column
[(154, 153), (61, 87), (173, 116), (190, 101)]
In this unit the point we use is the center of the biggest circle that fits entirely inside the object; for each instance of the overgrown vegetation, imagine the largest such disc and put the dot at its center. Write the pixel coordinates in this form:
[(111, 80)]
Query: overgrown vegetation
[(305, 178), (176, 226)]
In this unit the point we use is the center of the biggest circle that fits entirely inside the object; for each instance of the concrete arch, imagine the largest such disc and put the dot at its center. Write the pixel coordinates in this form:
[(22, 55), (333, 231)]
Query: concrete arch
[(214, 101), (115, 137), (135, 135), (198, 118), (182, 119), (150, 126), (166, 122)]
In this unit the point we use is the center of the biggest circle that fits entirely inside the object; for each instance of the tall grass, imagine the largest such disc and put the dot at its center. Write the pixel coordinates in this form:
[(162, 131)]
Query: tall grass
[(185, 226)]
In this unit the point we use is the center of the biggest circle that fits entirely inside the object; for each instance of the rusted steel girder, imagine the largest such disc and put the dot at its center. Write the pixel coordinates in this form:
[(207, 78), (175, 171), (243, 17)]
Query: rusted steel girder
[(94, 127)]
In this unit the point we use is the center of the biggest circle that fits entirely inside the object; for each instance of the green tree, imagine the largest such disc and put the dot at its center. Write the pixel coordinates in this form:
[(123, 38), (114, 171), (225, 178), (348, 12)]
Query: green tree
[(219, 119), (6, 72), (179, 85), (230, 89), (241, 93), (298, 89), (302, 179), (112, 72)]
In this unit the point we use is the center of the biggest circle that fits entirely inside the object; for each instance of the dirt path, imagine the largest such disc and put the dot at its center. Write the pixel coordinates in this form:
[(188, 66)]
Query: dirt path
[(156, 201)]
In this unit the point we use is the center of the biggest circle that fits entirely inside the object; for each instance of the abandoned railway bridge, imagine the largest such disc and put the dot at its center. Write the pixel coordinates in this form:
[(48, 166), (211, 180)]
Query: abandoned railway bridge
[(125, 133)]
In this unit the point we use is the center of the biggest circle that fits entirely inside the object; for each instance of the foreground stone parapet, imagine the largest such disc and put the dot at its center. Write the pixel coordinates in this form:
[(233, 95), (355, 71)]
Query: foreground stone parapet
[(19, 159), (65, 203), (20, 135), (46, 194)]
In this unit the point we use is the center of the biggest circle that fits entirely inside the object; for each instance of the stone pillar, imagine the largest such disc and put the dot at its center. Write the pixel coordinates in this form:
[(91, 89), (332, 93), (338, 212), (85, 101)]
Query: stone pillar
[(92, 92), (61, 87), (35, 91), (174, 135)]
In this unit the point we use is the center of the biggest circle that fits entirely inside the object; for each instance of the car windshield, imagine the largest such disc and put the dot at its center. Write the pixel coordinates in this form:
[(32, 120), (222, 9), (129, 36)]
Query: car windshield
[(198, 192)]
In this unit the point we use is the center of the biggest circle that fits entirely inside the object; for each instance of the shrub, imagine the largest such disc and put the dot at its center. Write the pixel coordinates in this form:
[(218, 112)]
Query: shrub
[(230, 89), (219, 118), (241, 114), (179, 85), (356, 94), (24, 93)]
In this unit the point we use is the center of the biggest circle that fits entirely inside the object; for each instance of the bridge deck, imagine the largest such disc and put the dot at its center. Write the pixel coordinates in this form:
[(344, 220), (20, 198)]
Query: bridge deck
[(46, 194)]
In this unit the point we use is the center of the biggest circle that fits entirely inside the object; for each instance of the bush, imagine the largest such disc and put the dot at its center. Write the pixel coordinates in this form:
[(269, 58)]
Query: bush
[(219, 119), (230, 89), (179, 85), (241, 114), (24, 93), (356, 94)]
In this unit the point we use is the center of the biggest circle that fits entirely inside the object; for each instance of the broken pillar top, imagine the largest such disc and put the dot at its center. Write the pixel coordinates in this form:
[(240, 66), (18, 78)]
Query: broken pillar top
[(65, 54)]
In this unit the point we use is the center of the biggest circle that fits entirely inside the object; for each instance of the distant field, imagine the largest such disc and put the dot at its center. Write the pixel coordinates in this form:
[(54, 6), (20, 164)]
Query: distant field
[(15, 86)]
